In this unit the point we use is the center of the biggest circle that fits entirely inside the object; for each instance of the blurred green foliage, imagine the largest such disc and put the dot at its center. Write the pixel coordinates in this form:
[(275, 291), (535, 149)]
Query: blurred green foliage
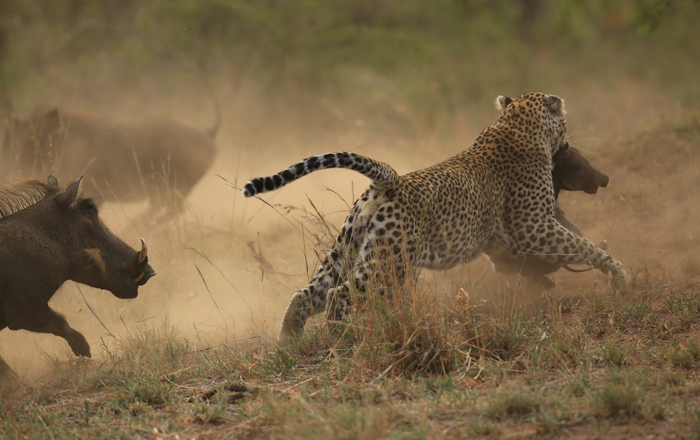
[(446, 48)]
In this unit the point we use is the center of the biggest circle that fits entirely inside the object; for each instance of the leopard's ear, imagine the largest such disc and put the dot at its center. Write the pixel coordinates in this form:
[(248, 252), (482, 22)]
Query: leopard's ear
[(555, 104), (502, 102)]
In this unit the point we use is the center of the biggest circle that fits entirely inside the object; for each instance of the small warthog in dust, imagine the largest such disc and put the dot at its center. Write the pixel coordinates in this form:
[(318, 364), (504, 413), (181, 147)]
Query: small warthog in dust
[(572, 172), (49, 236), (160, 160)]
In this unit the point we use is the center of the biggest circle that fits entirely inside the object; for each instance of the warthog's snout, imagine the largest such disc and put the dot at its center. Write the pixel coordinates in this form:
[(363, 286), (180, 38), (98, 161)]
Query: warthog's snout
[(599, 180), (142, 271), (603, 181)]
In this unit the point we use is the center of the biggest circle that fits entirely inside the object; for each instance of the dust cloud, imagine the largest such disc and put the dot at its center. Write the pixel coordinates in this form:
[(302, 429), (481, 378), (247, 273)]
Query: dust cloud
[(211, 291)]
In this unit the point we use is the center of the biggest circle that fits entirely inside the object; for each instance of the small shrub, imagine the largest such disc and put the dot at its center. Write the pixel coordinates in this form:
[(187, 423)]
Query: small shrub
[(549, 420), (499, 335), (516, 402), (566, 346), (619, 401), (481, 428), (408, 332), (624, 395), (440, 385), (579, 385), (204, 413), (139, 393), (691, 265), (684, 356), (280, 362), (614, 355)]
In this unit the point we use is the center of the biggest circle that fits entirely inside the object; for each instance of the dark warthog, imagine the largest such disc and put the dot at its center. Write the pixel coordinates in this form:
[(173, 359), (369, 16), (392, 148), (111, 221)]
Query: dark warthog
[(158, 159), (572, 172), (49, 236)]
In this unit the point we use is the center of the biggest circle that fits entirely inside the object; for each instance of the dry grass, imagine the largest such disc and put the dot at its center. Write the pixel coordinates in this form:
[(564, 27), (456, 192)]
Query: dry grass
[(423, 379)]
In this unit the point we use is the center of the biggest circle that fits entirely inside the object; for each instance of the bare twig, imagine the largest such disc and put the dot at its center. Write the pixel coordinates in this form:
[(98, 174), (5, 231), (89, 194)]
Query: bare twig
[(203, 255), (109, 333), (209, 291)]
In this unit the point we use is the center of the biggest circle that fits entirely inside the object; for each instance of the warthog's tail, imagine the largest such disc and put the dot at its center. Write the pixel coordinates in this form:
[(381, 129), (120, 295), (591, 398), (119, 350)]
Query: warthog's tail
[(383, 176)]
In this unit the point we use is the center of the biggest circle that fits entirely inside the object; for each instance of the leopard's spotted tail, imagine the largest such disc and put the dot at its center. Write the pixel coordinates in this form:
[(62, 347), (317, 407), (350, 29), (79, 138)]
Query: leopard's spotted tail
[(383, 176)]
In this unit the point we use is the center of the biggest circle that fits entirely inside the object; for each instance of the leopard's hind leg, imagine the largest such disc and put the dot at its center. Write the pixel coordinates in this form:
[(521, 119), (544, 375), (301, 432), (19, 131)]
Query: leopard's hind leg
[(352, 260), (378, 266), (311, 299)]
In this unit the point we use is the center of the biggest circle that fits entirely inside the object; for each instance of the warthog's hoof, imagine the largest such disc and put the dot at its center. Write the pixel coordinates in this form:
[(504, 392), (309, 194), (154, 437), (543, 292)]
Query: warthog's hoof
[(79, 344)]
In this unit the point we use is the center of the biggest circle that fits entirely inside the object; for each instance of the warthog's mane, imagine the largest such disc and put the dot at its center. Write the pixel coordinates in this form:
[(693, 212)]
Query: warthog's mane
[(22, 195)]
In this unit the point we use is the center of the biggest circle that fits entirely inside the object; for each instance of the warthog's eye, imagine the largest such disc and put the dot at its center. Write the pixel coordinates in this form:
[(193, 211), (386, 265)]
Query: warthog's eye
[(90, 206)]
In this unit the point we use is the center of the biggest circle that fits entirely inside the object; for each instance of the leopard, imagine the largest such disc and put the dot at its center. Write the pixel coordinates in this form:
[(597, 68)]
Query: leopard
[(496, 193)]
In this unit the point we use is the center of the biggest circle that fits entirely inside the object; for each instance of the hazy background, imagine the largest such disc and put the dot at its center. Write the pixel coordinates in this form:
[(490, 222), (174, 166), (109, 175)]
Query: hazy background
[(406, 82)]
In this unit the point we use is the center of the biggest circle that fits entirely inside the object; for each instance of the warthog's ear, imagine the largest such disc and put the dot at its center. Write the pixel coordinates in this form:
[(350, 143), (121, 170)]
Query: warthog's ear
[(53, 181), (502, 102), (555, 104), (67, 197)]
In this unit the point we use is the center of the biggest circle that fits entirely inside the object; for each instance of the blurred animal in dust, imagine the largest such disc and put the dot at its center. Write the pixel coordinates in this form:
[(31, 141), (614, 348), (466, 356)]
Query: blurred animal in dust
[(496, 193), (571, 172), (49, 236), (160, 160)]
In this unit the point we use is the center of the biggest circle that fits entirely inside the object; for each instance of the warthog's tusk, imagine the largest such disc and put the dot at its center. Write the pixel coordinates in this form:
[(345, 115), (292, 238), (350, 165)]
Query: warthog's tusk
[(138, 278), (144, 252)]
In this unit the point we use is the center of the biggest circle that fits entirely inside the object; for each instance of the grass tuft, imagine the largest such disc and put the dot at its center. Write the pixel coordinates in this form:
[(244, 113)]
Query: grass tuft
[(513, 402), (684, 356), (386, 342), (619, 401)]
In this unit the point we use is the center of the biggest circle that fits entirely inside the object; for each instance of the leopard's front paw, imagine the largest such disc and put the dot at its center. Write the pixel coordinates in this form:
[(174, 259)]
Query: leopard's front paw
[(619, 279)]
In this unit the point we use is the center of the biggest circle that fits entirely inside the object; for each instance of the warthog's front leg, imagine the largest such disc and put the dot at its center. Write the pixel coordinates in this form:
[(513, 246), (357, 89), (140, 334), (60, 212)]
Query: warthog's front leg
[(43, 319)]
